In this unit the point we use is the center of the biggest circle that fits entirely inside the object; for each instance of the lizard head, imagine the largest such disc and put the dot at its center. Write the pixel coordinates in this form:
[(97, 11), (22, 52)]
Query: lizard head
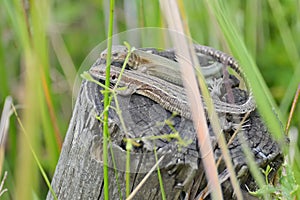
[(118, 53)]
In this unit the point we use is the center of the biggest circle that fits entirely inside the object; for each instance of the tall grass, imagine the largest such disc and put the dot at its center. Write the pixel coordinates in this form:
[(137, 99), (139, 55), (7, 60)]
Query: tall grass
[(37, 76)]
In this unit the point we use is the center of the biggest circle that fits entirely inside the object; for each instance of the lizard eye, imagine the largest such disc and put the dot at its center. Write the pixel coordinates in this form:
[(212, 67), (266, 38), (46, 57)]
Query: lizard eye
[(114, 77), (103, 55)]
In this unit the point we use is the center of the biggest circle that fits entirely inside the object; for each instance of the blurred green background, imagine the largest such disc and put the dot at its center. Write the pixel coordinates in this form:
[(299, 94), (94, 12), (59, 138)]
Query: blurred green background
[(43, 44)]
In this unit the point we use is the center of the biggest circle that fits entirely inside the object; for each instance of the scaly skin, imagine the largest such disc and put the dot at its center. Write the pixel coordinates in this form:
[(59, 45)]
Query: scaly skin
[(169, 70)]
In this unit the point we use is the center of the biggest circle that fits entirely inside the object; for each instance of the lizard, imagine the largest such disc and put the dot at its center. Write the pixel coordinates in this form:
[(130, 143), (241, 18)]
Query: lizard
[(159, 91), (169, 70), (156, 65), (170, 96)]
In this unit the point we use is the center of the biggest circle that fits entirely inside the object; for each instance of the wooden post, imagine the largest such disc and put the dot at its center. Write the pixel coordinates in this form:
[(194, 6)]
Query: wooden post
[(79, 172)]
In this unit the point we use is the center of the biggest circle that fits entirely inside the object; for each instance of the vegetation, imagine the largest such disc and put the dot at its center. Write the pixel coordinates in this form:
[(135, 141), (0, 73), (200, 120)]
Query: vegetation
[(45, 46)]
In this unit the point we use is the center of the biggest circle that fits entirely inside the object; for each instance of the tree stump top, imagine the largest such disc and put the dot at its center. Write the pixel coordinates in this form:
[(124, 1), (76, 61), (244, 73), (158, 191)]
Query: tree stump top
[(79, 172)]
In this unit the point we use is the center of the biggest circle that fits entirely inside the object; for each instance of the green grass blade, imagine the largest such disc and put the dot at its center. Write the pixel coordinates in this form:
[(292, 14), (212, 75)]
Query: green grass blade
[(264, 99), (291, 49), (162, 190), (106, 103), (34, 154)]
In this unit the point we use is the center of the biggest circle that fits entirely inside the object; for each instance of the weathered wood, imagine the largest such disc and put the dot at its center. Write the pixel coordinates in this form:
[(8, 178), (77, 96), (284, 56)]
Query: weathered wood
[(79, 172)]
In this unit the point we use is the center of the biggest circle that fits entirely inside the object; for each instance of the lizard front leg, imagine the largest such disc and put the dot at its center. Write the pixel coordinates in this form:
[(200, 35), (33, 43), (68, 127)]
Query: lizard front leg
[(130, 89)]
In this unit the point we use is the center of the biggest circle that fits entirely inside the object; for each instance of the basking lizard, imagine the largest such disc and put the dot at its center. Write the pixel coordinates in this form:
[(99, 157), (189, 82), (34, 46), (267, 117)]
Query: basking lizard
[(169, 70), (156, 65), (170, 96)]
